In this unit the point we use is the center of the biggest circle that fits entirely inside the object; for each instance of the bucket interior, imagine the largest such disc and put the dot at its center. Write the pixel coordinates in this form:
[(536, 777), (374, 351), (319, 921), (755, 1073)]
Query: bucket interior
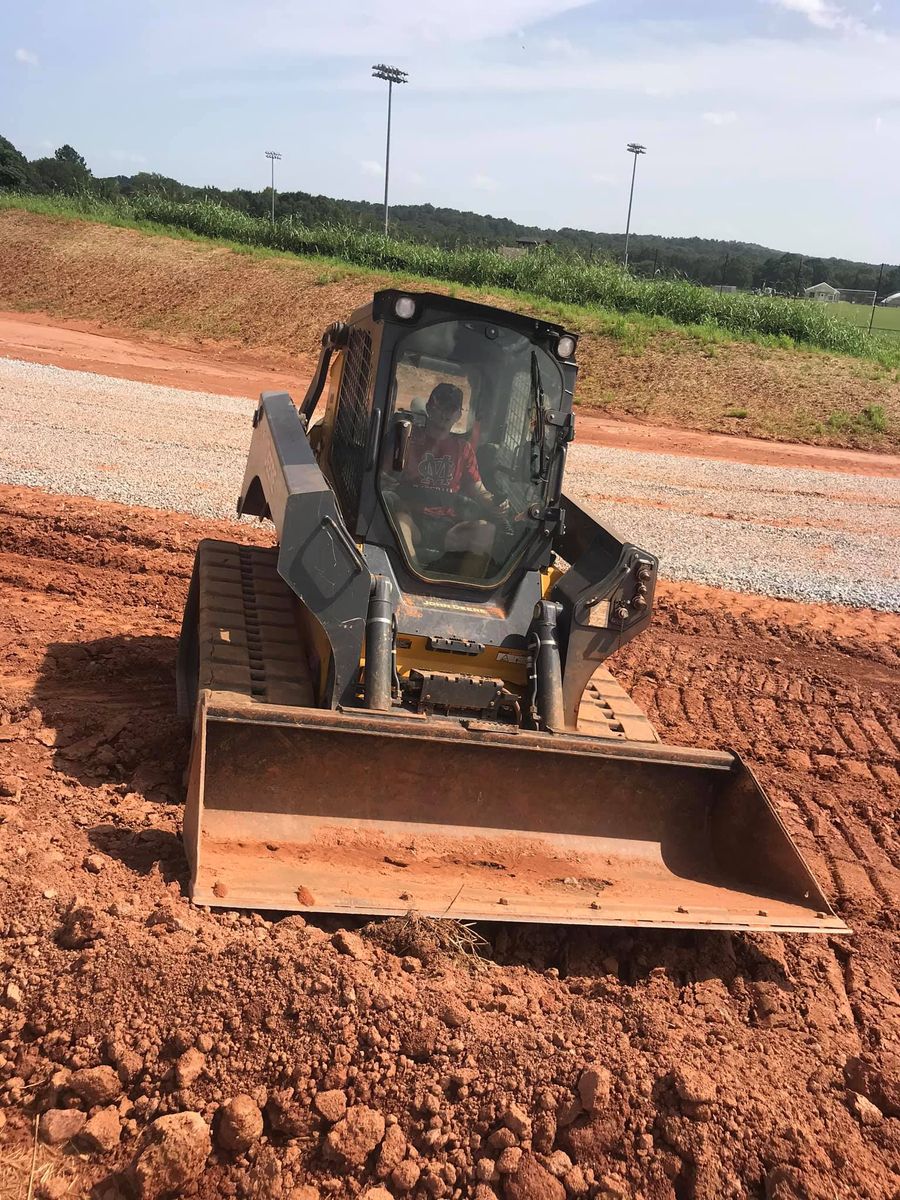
[(354, 817)]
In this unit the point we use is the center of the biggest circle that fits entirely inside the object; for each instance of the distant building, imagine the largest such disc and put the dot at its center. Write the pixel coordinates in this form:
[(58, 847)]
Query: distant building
[(822, 291), (523, 246)]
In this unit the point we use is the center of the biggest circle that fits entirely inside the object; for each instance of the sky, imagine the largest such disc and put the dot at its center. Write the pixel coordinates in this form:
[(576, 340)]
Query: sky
[(770, 121)]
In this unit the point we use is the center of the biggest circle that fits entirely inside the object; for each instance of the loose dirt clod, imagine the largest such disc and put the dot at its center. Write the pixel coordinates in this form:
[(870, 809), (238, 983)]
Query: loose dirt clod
[(95, 1085), (355, 1136), (59, 1125), (189, 1067), (240, 1123), (405, 1176), (102, 1131), (13, 997), (877, 1081), (865, 1110), (172, 1154), (352, 944), (391, 1152), (10, 787), (331, 1105), (693, 1086), (531, 1181), (594, 1087)]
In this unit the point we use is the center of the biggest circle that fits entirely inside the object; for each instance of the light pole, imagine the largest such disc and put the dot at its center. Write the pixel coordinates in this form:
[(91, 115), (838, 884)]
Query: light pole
[(634, 148), (271, 155), (392, 75)]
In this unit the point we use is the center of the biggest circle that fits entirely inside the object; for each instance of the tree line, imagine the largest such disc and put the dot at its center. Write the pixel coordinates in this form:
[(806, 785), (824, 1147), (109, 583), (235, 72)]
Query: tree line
[(705, 261)]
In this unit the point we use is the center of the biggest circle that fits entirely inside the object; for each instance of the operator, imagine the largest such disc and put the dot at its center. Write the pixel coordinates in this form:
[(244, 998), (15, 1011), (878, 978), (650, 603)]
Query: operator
[(439, 466)]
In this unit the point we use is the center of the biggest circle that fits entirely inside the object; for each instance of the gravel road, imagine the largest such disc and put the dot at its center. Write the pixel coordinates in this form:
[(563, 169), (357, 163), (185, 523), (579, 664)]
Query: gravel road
[(801, 534)]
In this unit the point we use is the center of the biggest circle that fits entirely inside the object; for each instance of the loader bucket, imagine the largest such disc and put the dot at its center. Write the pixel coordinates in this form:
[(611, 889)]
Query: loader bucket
[(297, 809)]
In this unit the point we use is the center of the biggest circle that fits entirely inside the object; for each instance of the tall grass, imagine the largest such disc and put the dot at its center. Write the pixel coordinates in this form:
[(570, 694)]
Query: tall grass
[(544, 273)]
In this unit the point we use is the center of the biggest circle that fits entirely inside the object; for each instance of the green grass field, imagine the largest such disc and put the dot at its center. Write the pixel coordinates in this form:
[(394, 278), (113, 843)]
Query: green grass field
[(886, 320)]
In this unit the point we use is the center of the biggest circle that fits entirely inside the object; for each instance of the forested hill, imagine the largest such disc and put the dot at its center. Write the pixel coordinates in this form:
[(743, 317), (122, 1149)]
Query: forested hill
[(701, 260)]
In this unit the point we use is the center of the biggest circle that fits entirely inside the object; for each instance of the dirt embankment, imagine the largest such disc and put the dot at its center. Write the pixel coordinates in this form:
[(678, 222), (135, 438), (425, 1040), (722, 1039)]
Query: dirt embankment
[(619, 1064), (271, 311)]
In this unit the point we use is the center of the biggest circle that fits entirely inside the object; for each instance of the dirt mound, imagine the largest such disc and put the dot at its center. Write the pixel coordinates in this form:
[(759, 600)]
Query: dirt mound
[(328, 1059), (273, 309)]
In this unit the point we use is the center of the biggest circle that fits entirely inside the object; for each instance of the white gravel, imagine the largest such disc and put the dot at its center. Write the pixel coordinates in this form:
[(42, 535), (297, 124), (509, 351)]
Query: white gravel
[(791, 532), (796, 533)]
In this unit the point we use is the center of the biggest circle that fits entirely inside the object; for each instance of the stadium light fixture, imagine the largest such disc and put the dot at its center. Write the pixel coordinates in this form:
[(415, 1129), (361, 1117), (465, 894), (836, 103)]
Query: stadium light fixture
[(272, 155), (391, 75), (634, 148)]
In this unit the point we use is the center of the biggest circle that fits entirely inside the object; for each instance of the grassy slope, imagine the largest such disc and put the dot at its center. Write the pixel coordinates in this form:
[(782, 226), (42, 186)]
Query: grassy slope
[(185, 287), (547, 274)]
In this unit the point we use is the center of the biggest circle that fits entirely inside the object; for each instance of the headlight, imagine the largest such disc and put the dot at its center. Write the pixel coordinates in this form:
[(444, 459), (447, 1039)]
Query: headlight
[(405, 307), (565, 347)]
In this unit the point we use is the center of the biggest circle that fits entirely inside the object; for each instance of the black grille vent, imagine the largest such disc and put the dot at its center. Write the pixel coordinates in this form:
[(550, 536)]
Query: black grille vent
[(351, 427)]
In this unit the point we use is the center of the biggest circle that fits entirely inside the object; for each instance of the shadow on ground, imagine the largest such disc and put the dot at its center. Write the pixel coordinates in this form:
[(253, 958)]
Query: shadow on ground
[(112, 703)]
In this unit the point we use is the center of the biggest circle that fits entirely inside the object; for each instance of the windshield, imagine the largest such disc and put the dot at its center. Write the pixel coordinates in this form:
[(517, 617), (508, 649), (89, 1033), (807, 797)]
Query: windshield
[(468, 451)]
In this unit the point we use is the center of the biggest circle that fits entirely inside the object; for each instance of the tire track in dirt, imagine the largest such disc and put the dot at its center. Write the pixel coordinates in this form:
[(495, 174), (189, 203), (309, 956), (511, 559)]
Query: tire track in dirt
[(817, 728)]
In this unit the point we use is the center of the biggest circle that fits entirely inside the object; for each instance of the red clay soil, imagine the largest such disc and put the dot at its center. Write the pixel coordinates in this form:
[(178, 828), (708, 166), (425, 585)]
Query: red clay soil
[(561, 1063), (656, 439), (86, 346)]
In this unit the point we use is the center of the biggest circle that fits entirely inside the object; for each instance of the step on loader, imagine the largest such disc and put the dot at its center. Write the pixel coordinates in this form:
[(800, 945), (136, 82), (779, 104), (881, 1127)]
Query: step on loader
[(403, 706)]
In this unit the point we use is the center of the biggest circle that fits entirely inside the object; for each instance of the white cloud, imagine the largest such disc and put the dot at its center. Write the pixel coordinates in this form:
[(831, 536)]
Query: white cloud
[(369, 166), (484, 183), (561, 47), (381, 32), (720, 118), (770, 71), (28, 57), (823, 14)]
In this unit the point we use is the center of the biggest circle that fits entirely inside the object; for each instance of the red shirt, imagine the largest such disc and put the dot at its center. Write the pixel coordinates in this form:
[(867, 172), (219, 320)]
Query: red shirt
[(442, 466)]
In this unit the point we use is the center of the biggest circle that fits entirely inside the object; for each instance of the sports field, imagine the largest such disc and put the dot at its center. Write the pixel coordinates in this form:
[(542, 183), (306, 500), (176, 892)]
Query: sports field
[(887, 320)]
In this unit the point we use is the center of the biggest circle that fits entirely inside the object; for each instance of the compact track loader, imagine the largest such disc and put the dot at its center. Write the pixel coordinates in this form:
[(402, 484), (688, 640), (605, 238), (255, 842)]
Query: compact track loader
[(404, 705)]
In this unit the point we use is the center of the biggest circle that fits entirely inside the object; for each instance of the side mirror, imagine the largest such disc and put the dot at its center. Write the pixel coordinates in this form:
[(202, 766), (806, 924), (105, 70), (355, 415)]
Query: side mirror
[(402, 434)]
